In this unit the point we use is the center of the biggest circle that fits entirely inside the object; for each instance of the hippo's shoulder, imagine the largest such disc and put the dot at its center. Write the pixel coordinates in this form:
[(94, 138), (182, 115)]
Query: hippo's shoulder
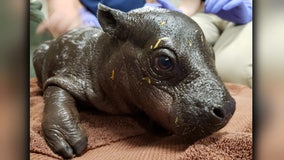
[(65, 56)]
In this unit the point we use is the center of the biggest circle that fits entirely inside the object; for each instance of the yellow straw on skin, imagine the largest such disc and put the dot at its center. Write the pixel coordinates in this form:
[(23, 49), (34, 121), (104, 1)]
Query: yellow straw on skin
[(176, 120), (159, 40), (190, 43), (162, 23), (147, 79), (112, 75)]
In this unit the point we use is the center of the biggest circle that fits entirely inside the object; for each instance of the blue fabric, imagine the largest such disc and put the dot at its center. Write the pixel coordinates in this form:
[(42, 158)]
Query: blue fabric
[(123, 5)]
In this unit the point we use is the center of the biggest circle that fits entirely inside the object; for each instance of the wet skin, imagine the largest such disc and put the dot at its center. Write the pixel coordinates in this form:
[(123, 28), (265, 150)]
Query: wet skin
[(150, 61)]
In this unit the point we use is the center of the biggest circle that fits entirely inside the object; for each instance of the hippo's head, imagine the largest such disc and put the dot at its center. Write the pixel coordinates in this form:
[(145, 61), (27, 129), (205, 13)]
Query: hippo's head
[(166, 69)]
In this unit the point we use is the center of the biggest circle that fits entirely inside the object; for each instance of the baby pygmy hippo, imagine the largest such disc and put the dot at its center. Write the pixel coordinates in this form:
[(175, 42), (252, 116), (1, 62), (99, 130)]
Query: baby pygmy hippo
[(149, 60)]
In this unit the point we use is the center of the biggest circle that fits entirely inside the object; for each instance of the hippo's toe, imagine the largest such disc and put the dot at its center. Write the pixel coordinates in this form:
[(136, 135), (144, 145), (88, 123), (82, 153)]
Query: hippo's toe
[(64, 141)]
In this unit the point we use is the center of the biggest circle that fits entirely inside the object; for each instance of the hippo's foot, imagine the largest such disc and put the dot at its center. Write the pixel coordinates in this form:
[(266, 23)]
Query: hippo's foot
[(62, 130)]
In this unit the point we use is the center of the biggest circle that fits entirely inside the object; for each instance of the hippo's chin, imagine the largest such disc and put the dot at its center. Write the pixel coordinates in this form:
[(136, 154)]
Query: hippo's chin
[(193, 134)]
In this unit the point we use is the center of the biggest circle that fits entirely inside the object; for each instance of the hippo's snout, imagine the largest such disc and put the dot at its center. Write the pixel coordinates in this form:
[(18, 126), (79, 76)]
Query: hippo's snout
[(206, 108), (216, 113)]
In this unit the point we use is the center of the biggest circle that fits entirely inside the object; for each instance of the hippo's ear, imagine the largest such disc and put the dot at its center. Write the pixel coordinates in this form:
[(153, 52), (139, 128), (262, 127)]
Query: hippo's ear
[(113, 21)]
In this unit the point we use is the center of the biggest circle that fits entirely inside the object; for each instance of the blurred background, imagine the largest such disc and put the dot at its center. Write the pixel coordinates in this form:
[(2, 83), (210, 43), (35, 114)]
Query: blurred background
[(13, 80), (268, 79), (269, 75)]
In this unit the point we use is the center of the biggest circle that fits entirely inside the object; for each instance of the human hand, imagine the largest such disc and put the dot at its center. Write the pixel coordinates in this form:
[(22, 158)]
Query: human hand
[(162, 4), (63, 16), (237, 11), (190, 7)]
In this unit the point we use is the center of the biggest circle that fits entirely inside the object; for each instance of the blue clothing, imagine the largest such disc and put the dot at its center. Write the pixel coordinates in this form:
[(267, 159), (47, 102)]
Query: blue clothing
[(123, 5)]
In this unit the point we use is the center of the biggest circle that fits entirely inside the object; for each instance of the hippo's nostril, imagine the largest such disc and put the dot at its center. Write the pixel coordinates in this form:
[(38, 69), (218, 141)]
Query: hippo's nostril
[(219, 113)]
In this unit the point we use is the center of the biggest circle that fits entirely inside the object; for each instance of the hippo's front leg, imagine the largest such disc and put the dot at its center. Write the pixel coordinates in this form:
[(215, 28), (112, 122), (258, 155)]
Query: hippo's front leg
[(61, 127)]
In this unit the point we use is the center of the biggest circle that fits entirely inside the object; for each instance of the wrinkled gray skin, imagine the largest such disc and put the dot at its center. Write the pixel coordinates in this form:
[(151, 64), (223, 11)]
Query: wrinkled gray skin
[(129, 68)]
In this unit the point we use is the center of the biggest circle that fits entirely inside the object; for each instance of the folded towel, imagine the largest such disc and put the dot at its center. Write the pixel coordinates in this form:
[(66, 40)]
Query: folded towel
[(122, 137)]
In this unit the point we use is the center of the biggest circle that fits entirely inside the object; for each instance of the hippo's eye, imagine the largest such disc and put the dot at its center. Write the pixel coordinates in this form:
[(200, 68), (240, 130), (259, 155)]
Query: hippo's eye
[(164, 66), (164, 62)]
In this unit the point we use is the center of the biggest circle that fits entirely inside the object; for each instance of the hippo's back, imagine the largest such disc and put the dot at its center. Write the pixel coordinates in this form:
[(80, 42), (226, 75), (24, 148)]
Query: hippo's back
[(68, 54)]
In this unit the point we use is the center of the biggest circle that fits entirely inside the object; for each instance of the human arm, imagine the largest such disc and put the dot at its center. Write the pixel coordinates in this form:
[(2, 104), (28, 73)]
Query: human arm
[(63, 15)]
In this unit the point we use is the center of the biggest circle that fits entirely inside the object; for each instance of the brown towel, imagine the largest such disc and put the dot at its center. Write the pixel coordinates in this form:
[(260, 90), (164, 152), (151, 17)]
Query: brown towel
[(122, 138)]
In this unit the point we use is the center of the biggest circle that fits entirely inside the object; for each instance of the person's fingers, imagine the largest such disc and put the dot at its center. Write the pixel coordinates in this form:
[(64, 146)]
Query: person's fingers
[(57, 25), (209, 4), (60, 28), (232, 4), (47, 25), (219, 5)]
